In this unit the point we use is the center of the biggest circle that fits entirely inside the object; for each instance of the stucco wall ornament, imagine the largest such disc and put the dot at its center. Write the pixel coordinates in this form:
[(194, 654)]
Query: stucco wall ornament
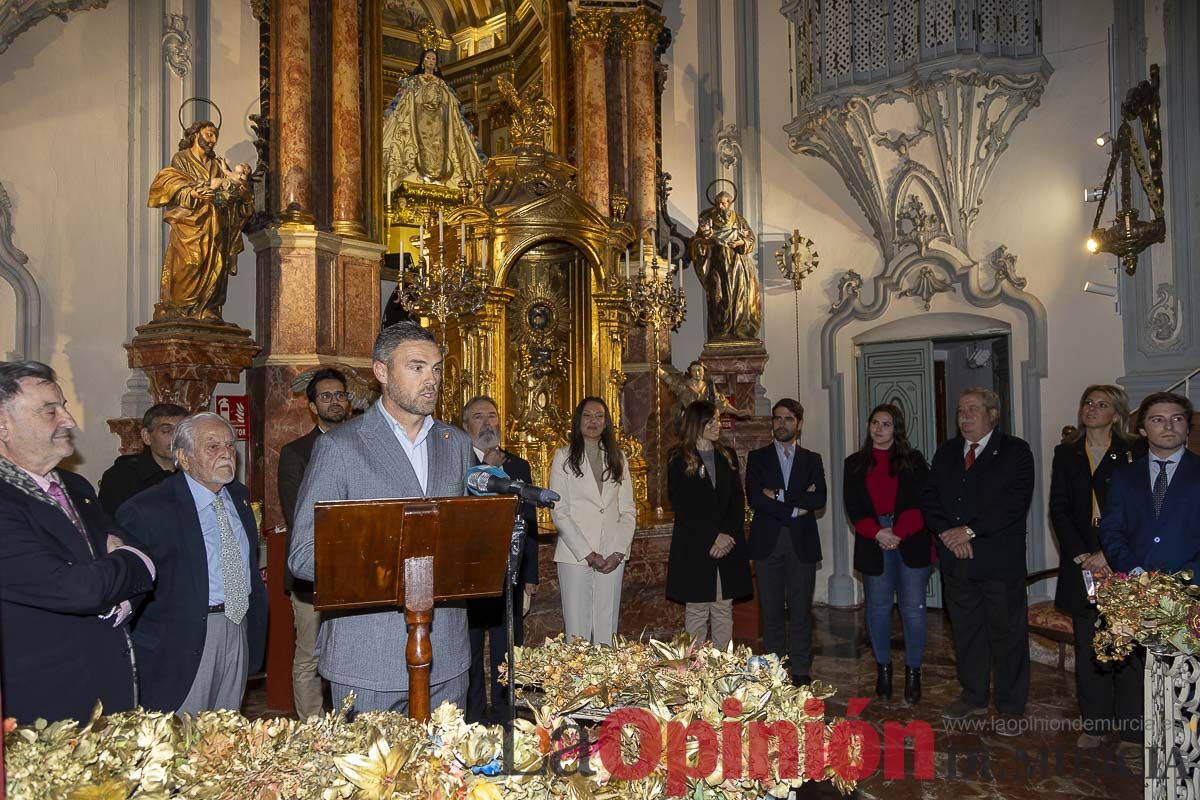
[(18, 16), (1004, 264), (28, 316), (729, 146), (177, 44), (1162, 321), (925, 285)]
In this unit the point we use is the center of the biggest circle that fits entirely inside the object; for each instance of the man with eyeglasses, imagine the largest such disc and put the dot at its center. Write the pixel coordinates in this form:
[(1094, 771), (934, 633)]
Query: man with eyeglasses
[(204, 630), (329, 401)]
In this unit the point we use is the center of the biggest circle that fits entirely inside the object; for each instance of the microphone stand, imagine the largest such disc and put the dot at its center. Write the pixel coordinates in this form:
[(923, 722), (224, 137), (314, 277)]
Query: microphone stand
[(511, 579)]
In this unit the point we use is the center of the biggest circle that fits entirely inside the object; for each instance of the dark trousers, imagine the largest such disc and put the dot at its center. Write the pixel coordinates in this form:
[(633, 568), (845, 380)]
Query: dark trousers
[(1110, 694), (783, 580), (485, 618), (990, 619)]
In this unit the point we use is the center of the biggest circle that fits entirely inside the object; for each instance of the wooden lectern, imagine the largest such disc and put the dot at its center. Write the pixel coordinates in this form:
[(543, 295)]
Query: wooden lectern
[(411, 554)]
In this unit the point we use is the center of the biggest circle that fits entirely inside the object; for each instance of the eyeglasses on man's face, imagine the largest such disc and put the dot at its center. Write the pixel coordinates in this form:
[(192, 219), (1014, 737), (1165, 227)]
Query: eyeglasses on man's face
[(326, 397)]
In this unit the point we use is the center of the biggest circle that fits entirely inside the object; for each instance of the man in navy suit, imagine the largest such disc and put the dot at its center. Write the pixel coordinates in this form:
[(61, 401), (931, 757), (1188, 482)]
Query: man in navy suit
[(66, 574), (204, 629), (1153, 504), (485, 617), (976, 501), (785, 485)]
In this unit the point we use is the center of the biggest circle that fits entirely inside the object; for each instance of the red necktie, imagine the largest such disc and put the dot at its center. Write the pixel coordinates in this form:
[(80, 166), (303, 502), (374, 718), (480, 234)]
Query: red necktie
[(970, 459)]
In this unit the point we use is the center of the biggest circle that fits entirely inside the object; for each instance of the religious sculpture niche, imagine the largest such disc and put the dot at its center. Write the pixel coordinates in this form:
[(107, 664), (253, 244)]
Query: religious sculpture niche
[(694, 385), (538, 334), (207, 204), (426, 138), (721, 251)]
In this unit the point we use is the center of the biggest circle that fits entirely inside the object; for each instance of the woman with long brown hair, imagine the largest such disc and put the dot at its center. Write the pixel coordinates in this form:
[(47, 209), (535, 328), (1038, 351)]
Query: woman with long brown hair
[(708, 566), (892, 547), (595, 520), (1082, 469)]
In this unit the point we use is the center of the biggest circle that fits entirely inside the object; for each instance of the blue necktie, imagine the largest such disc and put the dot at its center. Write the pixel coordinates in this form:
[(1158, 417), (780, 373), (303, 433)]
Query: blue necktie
[(1159, 493)]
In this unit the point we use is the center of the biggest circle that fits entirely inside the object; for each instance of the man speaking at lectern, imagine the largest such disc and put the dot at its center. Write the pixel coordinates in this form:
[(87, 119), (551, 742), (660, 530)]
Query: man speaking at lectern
[(395, 450)]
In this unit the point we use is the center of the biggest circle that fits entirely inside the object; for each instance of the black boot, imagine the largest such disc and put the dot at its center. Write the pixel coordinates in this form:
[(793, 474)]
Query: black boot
[(883, 681), (912, 685)]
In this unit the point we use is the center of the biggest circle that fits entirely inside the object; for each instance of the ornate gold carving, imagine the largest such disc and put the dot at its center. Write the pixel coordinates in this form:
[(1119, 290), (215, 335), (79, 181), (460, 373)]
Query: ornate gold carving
[(429, 36), (539, 331), (590, 25), (533, 115), (643, 25)]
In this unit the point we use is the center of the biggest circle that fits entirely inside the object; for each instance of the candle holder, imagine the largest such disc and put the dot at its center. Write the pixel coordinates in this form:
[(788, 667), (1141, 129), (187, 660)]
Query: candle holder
[(441, 291), (655, 303)]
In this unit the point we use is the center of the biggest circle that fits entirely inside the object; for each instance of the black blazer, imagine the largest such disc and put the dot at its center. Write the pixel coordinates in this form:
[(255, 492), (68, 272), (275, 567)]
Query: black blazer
[(293, 460), (993, 497), (58, 656), (518, 468), (868, 555), (1071, 486), (170, 629), (126, 477), (702, 512), (771, 517)]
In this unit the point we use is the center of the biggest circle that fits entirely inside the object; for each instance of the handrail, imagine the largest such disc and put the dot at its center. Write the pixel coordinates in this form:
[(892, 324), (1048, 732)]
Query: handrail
[(1185, 382)]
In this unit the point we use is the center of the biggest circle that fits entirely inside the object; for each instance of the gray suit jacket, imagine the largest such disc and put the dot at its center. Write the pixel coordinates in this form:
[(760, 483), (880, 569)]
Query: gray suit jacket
[(361, 460)]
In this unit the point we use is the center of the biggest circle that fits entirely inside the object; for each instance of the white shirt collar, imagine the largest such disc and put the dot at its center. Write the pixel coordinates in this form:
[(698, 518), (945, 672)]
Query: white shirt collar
[(1174, 458), (399, 430), (982, 443)]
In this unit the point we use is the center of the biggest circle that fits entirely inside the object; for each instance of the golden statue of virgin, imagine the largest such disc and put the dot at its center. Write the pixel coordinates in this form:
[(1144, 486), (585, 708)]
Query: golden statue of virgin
[(426, 138)]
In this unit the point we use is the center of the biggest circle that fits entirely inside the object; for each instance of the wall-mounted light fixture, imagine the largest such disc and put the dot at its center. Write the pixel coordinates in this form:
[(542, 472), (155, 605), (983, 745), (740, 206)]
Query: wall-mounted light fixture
[(1103, 140), (1128, 236), (1093, 194)]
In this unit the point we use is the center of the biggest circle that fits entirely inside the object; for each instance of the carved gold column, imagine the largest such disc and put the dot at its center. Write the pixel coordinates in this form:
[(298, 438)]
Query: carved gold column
[(612, 325), (293, 88), (483, 348), (640, 32), (589, 36), (346, 149)]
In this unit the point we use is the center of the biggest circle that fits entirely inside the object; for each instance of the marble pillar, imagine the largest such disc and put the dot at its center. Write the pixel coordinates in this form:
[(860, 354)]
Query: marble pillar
[(292, 83), (640, 31), (589, 36), (318, 304), (346, 122), (617, 80)]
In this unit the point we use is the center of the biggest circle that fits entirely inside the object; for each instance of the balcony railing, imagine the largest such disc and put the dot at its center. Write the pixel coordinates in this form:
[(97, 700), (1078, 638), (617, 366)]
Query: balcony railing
[(1172, 733), (847, 43)]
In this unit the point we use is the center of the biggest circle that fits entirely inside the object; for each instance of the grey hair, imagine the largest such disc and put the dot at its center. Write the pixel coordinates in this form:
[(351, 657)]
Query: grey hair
[(12, 372), (479, 398), (397, 334), (185, 434), (991, 400)]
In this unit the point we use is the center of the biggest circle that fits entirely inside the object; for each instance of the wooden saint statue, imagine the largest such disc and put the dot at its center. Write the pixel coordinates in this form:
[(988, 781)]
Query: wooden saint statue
[(721, 251), (207, 203)]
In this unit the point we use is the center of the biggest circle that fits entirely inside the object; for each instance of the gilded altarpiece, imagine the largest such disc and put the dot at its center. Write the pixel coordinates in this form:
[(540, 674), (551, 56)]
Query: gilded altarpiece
[(552, 328)]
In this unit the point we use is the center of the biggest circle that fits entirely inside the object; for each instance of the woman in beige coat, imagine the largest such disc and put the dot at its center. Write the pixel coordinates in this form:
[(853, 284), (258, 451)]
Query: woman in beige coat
[(595, 520)]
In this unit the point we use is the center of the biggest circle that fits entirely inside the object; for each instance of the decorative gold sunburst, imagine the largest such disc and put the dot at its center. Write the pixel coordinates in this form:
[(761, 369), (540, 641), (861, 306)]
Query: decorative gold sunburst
[(797, 259)]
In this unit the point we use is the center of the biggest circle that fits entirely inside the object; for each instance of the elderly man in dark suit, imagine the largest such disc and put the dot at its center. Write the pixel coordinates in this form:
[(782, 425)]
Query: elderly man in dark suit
[(785, 485), (976, 502), (485, 617), (395, 449), (330, 403), (66, 575), (204, 630)]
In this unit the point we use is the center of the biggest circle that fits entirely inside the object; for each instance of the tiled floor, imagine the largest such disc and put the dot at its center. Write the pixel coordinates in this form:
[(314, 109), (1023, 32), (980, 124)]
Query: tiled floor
[(1041, 763)]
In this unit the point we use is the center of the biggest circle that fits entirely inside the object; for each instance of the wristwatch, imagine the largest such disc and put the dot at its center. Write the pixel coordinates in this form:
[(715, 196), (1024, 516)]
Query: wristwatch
[(970, 532)]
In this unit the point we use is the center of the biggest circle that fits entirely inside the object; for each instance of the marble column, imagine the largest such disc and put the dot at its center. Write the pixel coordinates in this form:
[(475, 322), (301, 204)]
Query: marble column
[(346, 150), (617, 78), (589, 37), (640, 31), (293, 82)]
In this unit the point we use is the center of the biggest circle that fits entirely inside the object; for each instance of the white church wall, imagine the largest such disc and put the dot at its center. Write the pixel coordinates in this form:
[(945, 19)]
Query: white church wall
[(66, 161), (1033, 205)]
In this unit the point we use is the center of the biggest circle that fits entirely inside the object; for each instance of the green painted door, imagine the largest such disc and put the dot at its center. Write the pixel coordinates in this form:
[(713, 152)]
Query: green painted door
[(901, 373)]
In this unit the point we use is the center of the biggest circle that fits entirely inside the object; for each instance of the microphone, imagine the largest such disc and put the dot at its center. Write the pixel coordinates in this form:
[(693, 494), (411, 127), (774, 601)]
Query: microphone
[(486, 479)]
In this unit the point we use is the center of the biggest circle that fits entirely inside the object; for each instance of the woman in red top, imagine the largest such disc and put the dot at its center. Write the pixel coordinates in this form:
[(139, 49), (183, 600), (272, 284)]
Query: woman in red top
[(892, 549)]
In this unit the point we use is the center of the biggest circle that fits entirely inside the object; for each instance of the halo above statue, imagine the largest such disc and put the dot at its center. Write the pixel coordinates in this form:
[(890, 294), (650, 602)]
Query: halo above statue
[(214, 106), (711, 196)]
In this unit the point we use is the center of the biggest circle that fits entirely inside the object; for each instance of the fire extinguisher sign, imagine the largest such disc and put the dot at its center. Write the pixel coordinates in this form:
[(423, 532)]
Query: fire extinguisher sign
[(236, 409)]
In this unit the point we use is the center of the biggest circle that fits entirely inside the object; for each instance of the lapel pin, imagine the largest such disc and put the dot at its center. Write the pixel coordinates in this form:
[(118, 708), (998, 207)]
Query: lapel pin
[(445, 434)]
